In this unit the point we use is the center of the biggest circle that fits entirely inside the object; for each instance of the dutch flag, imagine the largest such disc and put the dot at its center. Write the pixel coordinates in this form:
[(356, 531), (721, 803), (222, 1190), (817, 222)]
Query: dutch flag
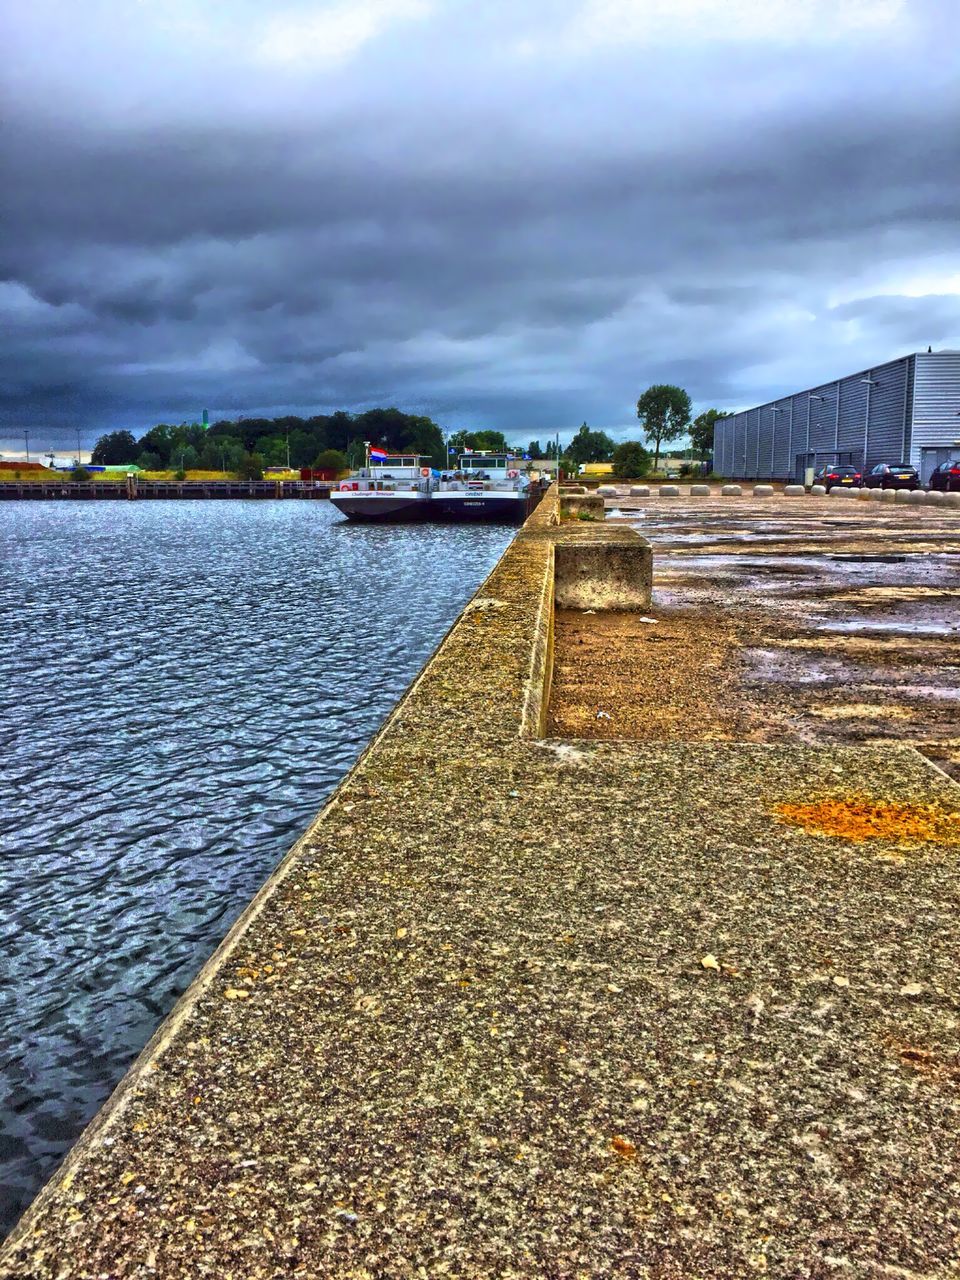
[(378, 453)]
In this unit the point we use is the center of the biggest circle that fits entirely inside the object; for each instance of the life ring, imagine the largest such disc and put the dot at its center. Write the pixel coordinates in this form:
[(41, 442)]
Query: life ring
[(512, 473), (345, 486), (425, 472)]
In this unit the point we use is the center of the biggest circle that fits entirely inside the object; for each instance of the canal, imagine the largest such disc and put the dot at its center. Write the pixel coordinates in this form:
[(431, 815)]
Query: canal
[(182, 686)]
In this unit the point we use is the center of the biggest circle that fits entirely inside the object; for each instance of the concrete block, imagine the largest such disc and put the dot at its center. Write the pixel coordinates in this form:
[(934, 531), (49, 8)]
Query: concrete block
[(574, 488), (916, 497), (639, 491), (669, 491), (863, 494), (597, 574), (700, 491), (607, 490), (935, 497), (818, 490), (841, 493), (875, 495), (951, 499), (731, 491), (575, 505), (888, 495), (902, 495), (794, 491), (763, 490)]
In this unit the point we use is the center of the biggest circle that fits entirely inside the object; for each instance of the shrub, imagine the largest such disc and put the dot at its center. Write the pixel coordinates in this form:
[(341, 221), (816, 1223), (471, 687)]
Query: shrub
[(631, 460)]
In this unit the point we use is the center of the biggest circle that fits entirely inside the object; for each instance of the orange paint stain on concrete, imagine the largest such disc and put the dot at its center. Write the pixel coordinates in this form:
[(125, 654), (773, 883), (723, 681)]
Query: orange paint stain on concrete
[(859, 818)]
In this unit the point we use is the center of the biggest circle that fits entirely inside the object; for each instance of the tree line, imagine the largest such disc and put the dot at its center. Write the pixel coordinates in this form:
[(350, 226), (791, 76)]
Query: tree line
[(246, 446)]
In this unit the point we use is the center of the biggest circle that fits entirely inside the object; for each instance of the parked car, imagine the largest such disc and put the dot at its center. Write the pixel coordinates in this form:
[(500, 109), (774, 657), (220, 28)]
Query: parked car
[(947, 477), (893, 475), (838, 477)]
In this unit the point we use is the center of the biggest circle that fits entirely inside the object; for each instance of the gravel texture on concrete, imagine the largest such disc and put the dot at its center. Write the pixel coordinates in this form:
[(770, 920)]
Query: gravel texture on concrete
[(519, 1007)]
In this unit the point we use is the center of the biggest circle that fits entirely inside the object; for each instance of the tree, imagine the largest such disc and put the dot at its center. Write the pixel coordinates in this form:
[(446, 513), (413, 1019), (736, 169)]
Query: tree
[(664, 411), (630, 460), (330, 460), (590, 446), (534, 450), (702, 429), (114, 449), (148, 461), (251, 467)]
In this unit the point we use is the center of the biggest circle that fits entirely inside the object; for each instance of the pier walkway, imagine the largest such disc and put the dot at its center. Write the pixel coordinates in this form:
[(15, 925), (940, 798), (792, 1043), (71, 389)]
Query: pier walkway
[(517, 1006)]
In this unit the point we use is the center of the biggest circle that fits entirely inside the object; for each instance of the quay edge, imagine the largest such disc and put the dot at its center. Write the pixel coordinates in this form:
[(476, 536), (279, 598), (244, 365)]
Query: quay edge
[(478, 1036)]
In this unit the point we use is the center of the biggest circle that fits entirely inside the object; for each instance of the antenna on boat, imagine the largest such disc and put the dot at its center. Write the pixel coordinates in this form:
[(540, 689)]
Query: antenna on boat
[(366, 445)]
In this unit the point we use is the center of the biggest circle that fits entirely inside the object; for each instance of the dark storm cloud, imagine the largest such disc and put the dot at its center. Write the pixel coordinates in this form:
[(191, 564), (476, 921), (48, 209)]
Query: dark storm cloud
[(491, 222)]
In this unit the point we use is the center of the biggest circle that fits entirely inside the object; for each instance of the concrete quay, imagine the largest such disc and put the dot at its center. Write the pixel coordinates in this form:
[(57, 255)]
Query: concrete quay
[(518, 1006)]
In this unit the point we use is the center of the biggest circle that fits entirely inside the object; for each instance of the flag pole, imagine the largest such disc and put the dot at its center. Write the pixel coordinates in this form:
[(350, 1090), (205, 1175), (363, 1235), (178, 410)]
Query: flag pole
[(366, 445)]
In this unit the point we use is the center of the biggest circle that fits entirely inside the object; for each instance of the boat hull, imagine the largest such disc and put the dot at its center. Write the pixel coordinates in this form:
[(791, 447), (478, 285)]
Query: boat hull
[(494, 508), (382, 508)]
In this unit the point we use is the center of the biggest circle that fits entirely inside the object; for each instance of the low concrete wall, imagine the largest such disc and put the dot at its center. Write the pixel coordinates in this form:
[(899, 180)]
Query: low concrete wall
[(603, 574), (573, 506)]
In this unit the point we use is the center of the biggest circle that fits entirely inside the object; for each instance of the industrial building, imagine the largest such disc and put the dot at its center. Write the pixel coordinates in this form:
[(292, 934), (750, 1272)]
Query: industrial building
[(907, 410)]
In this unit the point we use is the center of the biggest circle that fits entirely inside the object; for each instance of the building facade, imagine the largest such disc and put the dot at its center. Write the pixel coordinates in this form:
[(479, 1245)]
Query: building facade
[(907, 410)]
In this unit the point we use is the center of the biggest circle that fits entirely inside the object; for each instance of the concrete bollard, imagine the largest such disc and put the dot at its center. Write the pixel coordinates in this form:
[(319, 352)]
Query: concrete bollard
[(864, 494), (593, 574), (700, 491), (818, 490), (875, 495), (935, 497), (888, 495), (951, 499), (574, 488), (574, 506), (763, 490), (731, 491), (902, 495), (669, 491), (794, 491), (916, 497), (639, 491), (607, 490), (839, 493)]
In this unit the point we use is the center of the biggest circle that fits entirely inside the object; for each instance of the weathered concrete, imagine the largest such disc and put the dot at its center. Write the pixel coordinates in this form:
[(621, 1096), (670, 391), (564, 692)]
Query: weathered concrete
[(903, 495), (888, 495), (607, 490), (669, 491), (573, 488), (864, 495), (731, 491), (934, 497), (593, 573), (951, 499), (575, 506), (818, 490), (700, 491), (917, 497), (875, 495), (639, 491), (763, 490), (794, 491), (516, 1007)]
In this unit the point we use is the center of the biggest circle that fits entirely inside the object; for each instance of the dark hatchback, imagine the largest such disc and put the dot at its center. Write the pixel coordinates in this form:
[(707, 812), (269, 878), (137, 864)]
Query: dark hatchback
[(947, 477), (893, 475), (838, 477)]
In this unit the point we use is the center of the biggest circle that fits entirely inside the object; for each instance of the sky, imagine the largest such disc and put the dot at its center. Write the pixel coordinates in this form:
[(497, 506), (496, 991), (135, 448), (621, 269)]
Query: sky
[(501, 215)]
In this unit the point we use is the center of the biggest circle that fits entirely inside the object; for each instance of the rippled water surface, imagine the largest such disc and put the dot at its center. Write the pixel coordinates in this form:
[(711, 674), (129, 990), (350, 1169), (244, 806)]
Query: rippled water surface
[(181, 686)]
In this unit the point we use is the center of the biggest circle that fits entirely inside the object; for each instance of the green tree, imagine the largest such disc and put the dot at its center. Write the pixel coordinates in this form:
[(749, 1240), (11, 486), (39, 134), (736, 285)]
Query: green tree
[(590, 446), (114, 449), (702, 429), (664, 411), (250, 467), (630, 460), (148, 461), (80, 475), (330, 460)]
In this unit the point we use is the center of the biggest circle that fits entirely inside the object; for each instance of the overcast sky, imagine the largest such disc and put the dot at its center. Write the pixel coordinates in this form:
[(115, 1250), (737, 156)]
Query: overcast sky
[(500, 214)]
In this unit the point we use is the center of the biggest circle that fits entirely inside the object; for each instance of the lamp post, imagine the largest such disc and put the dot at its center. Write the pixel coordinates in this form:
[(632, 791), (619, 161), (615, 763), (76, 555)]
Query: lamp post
[(26, 440), (869, 382)]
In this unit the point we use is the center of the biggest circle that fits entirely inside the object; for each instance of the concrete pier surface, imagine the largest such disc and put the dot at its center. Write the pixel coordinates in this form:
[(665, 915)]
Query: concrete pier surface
[(520, 1006)]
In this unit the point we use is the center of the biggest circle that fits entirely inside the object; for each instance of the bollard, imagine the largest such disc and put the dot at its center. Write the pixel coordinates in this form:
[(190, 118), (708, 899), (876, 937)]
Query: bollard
[(607, 490), (639, 491), (888, 495), (935, 497), (794, 491), (731, 491), (951, 499), (864, 494), (840, 493), (700, 491), (916, 497), (669, 491), (763, 490), (875, 495), (818, 491)]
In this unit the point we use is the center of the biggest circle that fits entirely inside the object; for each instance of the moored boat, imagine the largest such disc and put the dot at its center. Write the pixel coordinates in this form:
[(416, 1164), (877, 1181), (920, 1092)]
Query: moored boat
[(391, 488)]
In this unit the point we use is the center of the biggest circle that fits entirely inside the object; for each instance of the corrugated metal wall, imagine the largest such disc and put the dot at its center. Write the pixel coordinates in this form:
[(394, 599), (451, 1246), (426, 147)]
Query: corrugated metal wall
[(936, 406), (841, 420)]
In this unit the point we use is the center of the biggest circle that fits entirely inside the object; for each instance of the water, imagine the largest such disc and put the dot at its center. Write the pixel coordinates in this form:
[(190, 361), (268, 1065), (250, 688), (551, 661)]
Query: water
[(181, 686)]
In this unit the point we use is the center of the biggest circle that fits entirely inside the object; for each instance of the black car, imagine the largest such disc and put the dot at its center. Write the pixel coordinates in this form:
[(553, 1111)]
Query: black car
[(893, 475), (947, 477), (841, 477)]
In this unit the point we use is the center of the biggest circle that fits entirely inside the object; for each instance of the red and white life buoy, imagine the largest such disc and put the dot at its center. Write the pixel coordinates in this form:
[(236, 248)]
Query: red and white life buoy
[(344, 486), (425, 472), (512, 473)]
